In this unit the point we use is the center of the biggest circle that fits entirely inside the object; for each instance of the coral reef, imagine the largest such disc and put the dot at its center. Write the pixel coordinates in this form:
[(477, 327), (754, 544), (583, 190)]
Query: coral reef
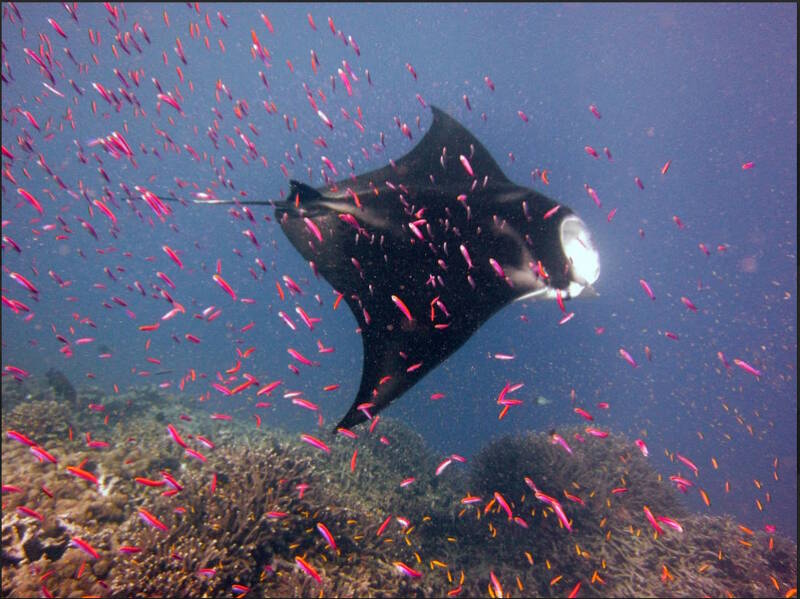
[(42, 420), (713, 557), (249, 507), (61, 386), (250, 529), (385, 458)]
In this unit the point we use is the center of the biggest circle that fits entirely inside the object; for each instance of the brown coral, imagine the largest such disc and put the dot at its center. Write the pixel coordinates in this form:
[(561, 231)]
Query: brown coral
[(255, 524)]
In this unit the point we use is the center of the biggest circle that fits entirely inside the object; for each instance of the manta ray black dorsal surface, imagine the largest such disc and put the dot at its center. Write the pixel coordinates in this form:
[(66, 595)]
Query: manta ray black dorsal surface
[(425, 252)]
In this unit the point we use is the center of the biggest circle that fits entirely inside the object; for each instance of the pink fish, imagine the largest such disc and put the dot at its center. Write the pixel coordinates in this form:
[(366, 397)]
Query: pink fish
[(402, 307), (313, 227), (556, 505), (306, 567), (30, 117), (673, 524), (556, 438), (440, 468), (465, 253), (167, 98), (307, 320), (648, 290), (681, 483), (642, 447), (313, 441), (176, 436), (269, 388), (593, 194), (497, 268), (304, 403), (207, 442), (688, 303), (330, 165), (43, 455), (324, 118), (746, 367), (497, 588), (688, 462), (151, 520), (30, 199), (26, 511), (169, 479), (195, 454), (597, 433), (17, 436), (504, 504), (628, 358), (467, 166), (407, 570), (85, 547), (24, 282), (551, 212), (301, 358), (346, 81), (326, 534), (222, 283), (287, 320), (351, 220), (649, 515)]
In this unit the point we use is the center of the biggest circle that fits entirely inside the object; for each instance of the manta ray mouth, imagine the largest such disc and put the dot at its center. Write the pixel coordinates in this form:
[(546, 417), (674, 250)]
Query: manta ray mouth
[(577, 245)]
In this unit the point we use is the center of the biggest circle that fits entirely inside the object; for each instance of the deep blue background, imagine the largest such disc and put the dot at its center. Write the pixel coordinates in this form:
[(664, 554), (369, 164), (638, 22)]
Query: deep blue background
[(707, 87)]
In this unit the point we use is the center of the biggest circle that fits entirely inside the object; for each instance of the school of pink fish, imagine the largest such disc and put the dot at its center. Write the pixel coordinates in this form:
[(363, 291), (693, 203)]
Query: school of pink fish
[(115, 194)]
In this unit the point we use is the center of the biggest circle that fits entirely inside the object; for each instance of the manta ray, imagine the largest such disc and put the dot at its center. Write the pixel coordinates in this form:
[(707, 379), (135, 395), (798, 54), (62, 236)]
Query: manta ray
[(426, 249)]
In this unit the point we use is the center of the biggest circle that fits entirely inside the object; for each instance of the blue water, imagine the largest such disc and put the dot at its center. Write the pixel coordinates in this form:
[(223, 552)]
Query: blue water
[(708, 88)]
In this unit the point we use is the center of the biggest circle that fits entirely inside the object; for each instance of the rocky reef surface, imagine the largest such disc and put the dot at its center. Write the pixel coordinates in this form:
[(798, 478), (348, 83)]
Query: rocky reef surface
[(225, 507)]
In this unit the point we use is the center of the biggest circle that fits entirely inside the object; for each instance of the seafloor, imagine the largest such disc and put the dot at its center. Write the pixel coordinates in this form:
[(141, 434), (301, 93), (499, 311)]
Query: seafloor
[(259, 518)]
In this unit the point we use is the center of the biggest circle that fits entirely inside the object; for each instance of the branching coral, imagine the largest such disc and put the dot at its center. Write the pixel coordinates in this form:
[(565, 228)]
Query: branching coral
[(250, 529), (272, 491)]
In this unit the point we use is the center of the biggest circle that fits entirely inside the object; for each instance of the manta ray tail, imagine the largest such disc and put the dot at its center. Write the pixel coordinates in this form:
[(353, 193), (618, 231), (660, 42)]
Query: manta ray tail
[(215, 202)]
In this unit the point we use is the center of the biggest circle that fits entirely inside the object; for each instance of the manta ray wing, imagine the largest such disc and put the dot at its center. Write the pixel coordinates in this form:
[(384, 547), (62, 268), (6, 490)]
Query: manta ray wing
[(389, 255), (426, 249)]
